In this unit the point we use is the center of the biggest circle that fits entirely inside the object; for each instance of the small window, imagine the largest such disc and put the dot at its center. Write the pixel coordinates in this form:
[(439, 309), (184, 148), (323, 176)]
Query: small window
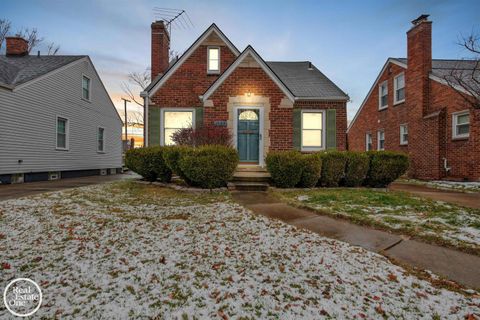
[(213, 60), (312, 130), (381, 140), (86, 88), (100, 139), (403, 134), (461, 125), (399, 86), (62, 133), (174, 120), (383, 95), (368, 142)]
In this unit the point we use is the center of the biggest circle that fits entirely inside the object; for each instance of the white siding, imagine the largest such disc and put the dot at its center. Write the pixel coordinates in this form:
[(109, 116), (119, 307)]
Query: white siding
[(28, 124)]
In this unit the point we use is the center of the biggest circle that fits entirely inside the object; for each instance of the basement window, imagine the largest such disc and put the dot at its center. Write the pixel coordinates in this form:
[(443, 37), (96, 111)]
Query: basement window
[(461, 124), (213, 63), (368, 142), (399, 86), (383, 95), (403, 134), (381, 140)]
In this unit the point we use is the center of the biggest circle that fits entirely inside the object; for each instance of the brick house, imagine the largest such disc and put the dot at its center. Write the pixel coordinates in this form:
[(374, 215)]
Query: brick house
[(411, 108), (265, 105)]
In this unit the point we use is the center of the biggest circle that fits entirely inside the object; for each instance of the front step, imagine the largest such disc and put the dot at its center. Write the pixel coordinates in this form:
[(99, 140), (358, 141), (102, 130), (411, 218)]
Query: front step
[(248, 186), (251, 176)]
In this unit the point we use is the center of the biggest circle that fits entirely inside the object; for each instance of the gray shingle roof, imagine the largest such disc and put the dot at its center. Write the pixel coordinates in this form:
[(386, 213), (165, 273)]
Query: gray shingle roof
[(305, 83), (445, 68), (15, 70)]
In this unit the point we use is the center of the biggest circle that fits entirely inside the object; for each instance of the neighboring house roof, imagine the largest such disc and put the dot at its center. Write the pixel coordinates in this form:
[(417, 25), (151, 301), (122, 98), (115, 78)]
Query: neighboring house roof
[(159, 80), (249, 51), (441, 68), (305, 81), (15, 70)]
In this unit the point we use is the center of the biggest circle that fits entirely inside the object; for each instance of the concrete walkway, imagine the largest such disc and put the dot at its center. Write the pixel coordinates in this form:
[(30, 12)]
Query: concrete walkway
[(451, 264), (471, 200), (11, 191)]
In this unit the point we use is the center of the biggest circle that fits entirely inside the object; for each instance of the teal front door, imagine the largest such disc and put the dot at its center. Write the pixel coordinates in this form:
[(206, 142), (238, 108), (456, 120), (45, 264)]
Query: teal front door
[(248, 135)]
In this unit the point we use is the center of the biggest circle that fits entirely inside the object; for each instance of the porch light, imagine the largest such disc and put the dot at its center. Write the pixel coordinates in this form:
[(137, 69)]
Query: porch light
[(248, 94)]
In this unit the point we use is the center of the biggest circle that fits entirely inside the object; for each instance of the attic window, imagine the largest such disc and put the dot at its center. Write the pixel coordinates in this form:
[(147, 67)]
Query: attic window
[(213, 63), (86, 88)]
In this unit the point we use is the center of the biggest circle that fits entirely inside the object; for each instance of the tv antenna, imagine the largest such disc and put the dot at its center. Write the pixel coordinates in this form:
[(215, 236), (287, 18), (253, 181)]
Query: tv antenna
[(178, 18)]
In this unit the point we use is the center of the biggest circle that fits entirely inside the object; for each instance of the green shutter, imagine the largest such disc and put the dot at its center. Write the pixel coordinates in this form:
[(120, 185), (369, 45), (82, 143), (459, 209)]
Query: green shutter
[(154, 126), (198, 117), (331, 129), (297, 129)]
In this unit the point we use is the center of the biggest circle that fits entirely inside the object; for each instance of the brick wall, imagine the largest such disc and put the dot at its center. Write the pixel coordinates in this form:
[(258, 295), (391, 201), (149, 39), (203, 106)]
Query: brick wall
[(160, 48)]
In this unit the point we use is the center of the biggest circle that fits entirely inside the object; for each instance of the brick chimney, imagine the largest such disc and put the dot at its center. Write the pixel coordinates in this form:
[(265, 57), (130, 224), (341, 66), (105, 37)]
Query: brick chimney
[(160, 48), (419, 54), (16, 46)]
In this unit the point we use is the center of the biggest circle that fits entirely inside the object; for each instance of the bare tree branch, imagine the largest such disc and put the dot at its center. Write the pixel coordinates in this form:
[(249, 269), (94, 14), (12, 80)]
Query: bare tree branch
[(52, 49), (5, 26), (31, 35), (137, 81)]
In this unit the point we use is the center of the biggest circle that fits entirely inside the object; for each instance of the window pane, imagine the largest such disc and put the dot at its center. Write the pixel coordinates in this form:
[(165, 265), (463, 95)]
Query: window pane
[(463, 129), (384, 89), (61, 126), (463, 118), (61, 140), (311, 120), (213, 54), (384, 101), (168, 136), (400, 94), (178, 119), (311, 138), (400, 81), (213, 65)]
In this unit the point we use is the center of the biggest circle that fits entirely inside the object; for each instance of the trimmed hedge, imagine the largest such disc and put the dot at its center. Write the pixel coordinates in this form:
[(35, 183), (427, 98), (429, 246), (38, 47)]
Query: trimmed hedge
[(311, 170), (209, 166), (149, 163), (385, 167), (285, 168), (172, 155), (333, 168), (356, 168)]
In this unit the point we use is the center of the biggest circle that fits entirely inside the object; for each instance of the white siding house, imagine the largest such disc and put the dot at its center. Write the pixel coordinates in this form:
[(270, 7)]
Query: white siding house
[(55, 120)]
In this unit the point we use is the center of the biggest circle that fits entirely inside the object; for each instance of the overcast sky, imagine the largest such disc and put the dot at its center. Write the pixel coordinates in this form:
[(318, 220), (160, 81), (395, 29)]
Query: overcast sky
[(348, 41)]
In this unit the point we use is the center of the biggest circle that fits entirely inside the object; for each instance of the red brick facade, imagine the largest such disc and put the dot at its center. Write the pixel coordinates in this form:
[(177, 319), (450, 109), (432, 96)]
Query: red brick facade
[(427, 111), (191, 80)]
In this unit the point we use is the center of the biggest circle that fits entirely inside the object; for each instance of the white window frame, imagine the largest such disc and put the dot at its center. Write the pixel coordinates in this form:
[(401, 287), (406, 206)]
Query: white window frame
[(402, 141), (322, 131), (89, 88), (213, 71), (67, 133), (98, 131), (395, 88), (380, 107), (162, 120), (455, 116), (378, 140), (367, 136)]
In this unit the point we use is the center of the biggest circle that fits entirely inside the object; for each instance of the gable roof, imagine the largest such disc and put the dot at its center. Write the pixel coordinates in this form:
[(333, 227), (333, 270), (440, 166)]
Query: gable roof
[(15, 70), (305, 81), (162, 78), (249, 51), (441, 68)]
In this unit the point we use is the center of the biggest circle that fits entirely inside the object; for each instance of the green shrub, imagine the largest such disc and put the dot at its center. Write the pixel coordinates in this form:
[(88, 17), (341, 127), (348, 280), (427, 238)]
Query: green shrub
[(385, 167), (148, 162), (356, 168), (172, 155), (285, 168), (333, 168), (311, 170), (209, 166)]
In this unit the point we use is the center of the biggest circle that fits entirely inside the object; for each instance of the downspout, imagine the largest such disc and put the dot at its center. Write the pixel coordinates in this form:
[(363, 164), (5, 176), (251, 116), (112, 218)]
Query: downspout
[(144, 94)]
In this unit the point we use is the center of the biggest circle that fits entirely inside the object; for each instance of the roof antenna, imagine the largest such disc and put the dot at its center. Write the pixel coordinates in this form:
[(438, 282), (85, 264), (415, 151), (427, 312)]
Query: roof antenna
[(178, 18)]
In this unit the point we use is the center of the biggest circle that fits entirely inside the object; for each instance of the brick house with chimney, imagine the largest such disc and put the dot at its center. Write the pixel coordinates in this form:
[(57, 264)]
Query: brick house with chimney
[(412, 108), (265, 105)]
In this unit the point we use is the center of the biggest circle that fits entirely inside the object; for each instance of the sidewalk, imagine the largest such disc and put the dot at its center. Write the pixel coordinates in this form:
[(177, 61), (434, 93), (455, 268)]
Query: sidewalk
[(451, 264), (11, 191), (471, 200)]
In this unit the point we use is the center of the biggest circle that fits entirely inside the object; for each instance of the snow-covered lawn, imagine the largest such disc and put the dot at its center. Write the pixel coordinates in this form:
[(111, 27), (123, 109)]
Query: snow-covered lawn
[(126, 250), (438, 221), (449, 185)]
